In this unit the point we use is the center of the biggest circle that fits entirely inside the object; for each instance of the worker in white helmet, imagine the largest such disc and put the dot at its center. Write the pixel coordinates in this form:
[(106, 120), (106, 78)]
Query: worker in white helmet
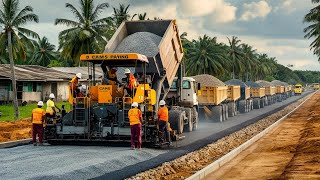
[(131, 82), (74, 83), (51, 107), (38, 118), (135, 120), (163, 117)]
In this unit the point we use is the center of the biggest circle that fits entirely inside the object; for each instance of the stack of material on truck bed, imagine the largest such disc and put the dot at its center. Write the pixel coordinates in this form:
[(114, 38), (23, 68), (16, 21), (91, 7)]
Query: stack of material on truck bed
[(256, 90), (245, 90), (270, 89), (213, 91), (279, 86)]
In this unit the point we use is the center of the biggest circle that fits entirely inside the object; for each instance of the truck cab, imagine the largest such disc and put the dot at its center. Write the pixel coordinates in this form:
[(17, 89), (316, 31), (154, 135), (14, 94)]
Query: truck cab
[(188, 92), (298, 89)]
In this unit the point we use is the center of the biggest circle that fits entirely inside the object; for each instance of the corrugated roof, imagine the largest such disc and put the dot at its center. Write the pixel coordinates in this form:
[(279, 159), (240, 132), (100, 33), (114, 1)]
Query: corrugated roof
[(83, 70), (34, 73)]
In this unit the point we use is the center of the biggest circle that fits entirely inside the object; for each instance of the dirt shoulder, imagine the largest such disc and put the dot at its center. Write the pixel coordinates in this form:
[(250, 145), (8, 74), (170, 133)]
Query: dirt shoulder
[(16, 130), (291, 151)]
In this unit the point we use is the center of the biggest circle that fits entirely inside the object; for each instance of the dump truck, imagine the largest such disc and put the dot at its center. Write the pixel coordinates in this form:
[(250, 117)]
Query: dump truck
[(212, 98), (153, 51), (297, 89), (257, 94), (316, 86), (244, 103), (270, 91), (234, 94), (279, 89)]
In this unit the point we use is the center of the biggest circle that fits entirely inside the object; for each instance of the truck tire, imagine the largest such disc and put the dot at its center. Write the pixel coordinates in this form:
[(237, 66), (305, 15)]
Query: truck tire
[(195, 118), (176, 120), (188, 127)]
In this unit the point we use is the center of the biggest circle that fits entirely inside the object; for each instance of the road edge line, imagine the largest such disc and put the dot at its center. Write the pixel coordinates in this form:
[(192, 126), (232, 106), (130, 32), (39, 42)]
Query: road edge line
[(15, 143), (232, 154)]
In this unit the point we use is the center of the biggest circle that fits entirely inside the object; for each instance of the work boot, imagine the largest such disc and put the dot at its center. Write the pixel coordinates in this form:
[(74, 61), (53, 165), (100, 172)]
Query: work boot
[(40, 144), (132, 148), (34, 144)]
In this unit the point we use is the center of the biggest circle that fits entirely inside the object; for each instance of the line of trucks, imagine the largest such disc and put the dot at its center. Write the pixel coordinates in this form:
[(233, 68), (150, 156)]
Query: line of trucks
[(101, 115)]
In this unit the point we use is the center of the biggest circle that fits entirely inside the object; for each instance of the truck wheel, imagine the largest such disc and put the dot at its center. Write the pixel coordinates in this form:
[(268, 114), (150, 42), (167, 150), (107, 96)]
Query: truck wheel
[(195, 118), (176, 120), (188, 127)]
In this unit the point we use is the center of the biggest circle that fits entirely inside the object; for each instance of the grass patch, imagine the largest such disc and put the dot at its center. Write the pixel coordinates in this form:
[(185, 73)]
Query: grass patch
[(25, 111)]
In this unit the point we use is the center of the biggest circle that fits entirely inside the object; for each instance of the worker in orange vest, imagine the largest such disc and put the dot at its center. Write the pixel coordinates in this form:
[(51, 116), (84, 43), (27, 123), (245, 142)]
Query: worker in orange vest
[(135, 119), (110, 76), (38, 118), (74, 83), (163, 117), (131, 82)]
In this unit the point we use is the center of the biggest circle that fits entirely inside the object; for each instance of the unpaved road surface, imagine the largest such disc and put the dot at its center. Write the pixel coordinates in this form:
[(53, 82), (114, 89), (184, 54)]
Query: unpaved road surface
[(83, 162), (15, 130), (291, 151)]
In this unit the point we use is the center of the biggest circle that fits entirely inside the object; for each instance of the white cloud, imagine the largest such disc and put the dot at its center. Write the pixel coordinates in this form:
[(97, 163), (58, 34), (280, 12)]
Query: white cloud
[(226, 13), (219, 10), (255, 10), (290, 6), (197, 7)]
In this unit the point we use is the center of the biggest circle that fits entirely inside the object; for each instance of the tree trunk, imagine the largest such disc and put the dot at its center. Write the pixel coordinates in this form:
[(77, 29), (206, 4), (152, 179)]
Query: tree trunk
[(13, 77)]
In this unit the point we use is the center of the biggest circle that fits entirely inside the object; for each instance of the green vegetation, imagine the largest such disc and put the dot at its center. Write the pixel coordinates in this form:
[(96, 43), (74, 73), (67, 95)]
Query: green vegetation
[(25, 111)]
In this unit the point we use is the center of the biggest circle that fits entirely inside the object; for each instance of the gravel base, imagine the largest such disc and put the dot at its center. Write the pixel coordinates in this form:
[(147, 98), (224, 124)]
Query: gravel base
[(68, 162), (187, 165)]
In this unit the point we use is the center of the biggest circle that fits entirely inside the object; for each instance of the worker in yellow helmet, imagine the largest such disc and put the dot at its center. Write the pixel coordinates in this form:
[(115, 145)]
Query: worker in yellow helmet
[(38, 118), (135, 119)]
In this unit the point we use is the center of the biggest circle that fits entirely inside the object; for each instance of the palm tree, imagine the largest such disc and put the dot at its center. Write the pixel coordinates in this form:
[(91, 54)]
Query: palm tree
[(121, 14), (249, 58), (14, 37), (205, 56), (140, 16), (86, 34), (312, 31), (235, 55), (44, 52), (265, 67)]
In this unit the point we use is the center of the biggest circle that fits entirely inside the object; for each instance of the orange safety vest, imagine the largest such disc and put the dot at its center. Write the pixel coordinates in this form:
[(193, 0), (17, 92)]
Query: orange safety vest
[(132, 82), (37, 115), (163, 114), (73, 83), (134, 116)]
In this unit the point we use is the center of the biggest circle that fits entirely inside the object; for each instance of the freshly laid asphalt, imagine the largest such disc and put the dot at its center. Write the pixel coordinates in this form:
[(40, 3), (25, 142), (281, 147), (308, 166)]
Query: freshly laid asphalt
[(104, 162)]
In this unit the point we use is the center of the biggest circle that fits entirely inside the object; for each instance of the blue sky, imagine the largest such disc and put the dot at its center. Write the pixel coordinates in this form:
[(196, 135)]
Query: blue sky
[(274, 27)]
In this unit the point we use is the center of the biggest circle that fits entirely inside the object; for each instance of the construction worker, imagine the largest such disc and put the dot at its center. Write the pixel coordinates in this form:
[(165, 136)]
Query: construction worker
[(131, 82), (135, 119), (110, 77), (163, 117), (74, 83), (51, 107), (38, 117)]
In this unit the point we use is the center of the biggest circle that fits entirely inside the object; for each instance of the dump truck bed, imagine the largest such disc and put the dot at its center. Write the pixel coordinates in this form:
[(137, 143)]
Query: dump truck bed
[(257, 92), (270, 90), (233, 93), (212, 95), (170, 52)]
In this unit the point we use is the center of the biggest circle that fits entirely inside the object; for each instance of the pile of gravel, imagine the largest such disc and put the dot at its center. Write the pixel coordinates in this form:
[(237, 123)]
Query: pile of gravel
[(264, 83), (277, 83), (208, 80), (145, 43), (285, 84), (253, 84), (236, 82)]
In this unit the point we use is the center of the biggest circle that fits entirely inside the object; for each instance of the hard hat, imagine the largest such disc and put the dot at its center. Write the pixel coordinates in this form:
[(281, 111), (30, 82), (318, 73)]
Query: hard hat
[(115, 68), (79, 75), (40, 103), (51, 96), (162, 103), (134, 104), (127, 71)]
